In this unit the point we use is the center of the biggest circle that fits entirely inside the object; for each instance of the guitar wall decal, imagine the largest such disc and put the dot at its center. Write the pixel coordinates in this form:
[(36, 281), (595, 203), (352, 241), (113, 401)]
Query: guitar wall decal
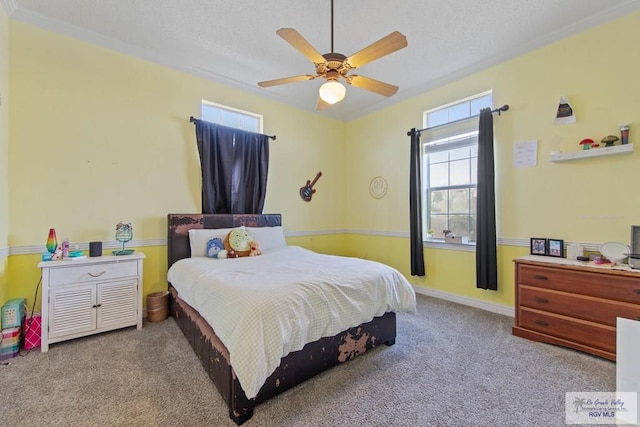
[(307, 190)]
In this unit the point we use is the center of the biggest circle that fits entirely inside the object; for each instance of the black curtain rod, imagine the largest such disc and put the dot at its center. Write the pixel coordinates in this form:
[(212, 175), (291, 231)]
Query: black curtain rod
[(193, 120), (499, 110)]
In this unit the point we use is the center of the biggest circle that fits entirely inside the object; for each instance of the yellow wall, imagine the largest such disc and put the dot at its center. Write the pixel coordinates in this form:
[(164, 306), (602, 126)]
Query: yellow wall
[(98, 137), (587, 201), (4, 151)]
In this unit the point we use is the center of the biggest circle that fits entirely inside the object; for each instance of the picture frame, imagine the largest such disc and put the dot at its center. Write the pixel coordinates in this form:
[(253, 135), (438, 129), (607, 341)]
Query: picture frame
[(555, 248), (538, 246)]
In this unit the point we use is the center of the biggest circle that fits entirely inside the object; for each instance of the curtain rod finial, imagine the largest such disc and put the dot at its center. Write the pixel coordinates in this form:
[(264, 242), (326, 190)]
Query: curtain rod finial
[(505, 107)]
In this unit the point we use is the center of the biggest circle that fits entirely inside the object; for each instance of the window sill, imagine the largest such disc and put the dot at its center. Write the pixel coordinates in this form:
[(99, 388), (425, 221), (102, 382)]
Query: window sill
[(441, 244)]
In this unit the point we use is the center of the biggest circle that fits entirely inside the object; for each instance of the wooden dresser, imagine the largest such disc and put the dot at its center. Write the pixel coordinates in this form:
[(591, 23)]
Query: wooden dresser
[(574, 304)]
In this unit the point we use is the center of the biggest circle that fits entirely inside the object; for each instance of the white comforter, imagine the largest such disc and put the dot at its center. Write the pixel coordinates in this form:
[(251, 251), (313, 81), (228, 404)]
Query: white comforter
[(264, 307)]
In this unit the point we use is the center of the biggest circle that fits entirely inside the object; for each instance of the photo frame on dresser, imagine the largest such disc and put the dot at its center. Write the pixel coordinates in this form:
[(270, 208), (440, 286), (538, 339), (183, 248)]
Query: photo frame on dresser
[(538, 246), (555, 248)]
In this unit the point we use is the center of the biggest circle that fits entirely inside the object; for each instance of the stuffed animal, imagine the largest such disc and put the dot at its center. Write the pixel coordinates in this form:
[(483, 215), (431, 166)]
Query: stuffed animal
[(239, 240), (222, 254), (232, 254), (255, 248), (57, 254), (214, 246)]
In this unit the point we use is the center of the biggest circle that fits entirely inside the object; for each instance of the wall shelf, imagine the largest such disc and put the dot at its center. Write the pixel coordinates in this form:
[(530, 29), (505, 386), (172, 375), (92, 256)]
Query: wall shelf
[(593, 152)]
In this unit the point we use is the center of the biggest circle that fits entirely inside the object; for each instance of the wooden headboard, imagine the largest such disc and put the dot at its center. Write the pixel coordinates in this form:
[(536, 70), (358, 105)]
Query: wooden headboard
[(180, 224)]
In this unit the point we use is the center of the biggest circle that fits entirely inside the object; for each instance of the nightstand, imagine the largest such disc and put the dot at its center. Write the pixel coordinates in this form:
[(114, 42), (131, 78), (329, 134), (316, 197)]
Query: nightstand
[(89, 296)]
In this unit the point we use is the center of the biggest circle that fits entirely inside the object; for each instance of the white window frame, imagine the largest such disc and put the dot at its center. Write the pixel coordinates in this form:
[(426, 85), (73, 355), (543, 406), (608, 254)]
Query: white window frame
[(446, 136), (231, 117)]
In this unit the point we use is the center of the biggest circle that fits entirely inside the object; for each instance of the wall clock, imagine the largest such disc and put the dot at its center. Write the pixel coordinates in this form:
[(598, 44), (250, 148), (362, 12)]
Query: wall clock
[(378, 187)]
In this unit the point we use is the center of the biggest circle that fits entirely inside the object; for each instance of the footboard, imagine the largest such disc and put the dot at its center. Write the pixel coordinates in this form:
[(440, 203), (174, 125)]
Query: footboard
[(294, 368)]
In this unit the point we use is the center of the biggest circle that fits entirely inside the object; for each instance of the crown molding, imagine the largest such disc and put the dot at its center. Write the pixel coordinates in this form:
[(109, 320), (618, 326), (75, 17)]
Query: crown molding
[(9, 6)]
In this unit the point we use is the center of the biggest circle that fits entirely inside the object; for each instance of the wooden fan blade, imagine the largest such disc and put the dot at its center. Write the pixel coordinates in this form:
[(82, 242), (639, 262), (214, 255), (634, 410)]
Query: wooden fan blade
[(376, 86), (286, 80), (384, 46), (321, 105), (294, 38)]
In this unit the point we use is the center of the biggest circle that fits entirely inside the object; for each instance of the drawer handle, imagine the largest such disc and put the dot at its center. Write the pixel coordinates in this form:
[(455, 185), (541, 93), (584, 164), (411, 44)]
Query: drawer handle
[(540, 300), (637, 291), (540, 277), (97, 274), (541, 323), (97, 305)]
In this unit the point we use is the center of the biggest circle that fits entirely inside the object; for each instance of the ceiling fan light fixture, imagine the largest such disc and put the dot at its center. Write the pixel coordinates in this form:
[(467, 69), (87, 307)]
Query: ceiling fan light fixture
[(332, 92)]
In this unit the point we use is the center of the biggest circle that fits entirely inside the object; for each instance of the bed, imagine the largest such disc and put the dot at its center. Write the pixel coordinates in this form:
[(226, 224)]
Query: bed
[(212, 316)]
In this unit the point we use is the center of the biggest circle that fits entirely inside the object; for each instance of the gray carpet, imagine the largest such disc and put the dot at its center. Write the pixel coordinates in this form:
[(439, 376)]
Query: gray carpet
[(452, 365)]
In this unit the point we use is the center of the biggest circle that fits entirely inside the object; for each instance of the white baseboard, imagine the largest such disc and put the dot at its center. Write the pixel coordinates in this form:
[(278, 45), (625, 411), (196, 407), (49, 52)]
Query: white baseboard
[(472, 302)]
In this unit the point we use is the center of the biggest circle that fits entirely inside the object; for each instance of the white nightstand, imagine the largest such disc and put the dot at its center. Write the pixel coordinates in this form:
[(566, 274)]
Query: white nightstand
[(89, 296)]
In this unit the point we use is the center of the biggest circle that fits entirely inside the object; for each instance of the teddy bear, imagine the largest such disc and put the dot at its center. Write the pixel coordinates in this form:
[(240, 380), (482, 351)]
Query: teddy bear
[(214, 247), (255, 248)]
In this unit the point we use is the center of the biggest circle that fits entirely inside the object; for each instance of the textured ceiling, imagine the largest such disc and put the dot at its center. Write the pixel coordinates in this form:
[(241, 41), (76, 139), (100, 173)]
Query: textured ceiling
[(234, 42)]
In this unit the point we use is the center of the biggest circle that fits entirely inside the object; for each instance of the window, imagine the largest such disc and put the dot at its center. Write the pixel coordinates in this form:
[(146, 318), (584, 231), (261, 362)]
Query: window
[(450, 161), (231, 117)]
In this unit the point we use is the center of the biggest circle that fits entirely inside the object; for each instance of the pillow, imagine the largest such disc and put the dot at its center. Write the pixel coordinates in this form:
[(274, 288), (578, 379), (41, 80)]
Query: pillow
[(269, 237), (198, 239), (238, 240)]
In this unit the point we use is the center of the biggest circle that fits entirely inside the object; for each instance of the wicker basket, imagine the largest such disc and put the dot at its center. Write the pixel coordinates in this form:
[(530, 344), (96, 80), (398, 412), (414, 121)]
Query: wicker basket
[(157, 306)]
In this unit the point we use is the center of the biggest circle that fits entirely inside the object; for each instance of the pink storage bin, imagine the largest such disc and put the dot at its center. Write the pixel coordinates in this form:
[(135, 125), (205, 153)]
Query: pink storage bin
[(32, 331)]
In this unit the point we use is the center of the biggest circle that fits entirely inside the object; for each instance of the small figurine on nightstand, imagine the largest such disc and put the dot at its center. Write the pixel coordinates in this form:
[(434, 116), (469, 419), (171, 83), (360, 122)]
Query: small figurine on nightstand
[(124, 233), (57, 254)]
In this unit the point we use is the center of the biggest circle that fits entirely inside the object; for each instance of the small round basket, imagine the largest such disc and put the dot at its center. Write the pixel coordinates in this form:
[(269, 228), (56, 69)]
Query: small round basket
[(157, 306)]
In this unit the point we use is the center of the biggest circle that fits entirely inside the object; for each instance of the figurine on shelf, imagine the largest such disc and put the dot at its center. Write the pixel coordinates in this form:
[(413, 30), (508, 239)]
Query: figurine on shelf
[(609, 140), (624, 134), (586, 143)]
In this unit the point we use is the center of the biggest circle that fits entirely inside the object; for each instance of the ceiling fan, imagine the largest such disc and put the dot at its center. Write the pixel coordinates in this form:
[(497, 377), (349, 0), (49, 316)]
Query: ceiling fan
[(332, 66)]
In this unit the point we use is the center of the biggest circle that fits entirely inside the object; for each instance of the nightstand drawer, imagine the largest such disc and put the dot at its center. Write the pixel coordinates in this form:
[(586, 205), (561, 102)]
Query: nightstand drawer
[(578, 306), (92, 272), (582, 332)]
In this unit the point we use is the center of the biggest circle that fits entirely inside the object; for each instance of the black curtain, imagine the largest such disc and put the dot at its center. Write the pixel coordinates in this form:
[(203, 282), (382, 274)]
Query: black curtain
[(486, 256), (415, 206), (234, 167)]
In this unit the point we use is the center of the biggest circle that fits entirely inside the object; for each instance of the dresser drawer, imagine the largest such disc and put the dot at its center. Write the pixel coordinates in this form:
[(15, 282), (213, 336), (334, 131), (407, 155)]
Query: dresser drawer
[(606, 284), (575, 330), (578, 306), (92, 272)]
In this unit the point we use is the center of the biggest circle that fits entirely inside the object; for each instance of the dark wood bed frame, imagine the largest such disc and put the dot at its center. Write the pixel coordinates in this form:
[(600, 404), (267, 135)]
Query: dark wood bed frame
[(294, 368)]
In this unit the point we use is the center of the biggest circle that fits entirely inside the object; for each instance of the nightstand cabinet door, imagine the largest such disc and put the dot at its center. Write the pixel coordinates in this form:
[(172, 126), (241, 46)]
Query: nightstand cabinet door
[(117, 303), (71, 311)]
